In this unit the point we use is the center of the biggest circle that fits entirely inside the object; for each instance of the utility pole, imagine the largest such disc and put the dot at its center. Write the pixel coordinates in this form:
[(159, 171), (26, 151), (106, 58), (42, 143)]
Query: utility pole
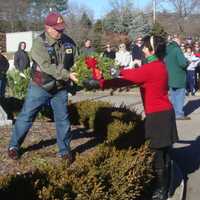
[(154, 11)]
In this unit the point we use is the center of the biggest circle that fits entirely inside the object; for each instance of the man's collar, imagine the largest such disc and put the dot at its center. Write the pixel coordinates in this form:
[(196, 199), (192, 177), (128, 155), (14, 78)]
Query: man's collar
[(49, 39)]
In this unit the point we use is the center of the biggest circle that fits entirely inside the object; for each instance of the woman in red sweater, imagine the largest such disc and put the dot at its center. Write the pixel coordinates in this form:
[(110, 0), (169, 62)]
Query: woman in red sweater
[(160, 123)]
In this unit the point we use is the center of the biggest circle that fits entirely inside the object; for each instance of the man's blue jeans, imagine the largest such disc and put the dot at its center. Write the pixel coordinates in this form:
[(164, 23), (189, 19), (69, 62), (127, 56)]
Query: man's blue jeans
[(177, 98), (35, 99), (191, 81)]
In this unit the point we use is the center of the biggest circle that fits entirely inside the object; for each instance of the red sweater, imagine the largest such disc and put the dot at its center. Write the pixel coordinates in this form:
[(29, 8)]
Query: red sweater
[(153, 81), (197, 54)]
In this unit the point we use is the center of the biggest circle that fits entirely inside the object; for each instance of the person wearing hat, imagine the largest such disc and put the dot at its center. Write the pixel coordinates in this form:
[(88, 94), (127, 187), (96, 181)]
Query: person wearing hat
[(53, 56)]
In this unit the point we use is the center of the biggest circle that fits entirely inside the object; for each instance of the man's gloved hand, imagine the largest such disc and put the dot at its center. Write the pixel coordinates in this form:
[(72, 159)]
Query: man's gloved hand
[(91, 84)]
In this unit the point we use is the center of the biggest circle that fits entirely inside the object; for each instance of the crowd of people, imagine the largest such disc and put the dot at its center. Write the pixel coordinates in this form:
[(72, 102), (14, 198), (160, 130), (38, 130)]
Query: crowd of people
[(157, 66), (132, 58)]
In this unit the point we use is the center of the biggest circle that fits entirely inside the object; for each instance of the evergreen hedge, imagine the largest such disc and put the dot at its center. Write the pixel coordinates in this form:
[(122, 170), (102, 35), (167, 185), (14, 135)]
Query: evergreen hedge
[(120, 167)]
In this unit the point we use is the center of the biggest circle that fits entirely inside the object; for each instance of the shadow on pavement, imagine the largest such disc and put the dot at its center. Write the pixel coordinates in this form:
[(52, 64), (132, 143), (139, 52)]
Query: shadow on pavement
[(188, 157), (191, 106)]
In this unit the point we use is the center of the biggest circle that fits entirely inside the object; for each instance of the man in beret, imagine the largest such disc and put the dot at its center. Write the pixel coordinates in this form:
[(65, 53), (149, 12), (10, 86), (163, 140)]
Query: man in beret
[(53, 56)]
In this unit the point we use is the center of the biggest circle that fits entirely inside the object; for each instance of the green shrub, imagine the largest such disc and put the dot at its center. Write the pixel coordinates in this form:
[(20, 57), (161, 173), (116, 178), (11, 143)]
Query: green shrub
[(116, 129), (114, 170), (121, 126), (86, 112), (17, 85), (94, 114), (107, 174), (22, 186)]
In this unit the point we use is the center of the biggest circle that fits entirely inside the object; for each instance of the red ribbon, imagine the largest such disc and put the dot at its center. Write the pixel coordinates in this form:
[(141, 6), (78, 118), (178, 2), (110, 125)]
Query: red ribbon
[(91, 63)]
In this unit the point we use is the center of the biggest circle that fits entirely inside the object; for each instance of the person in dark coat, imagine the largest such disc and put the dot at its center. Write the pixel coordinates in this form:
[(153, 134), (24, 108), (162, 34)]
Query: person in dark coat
[(137, 53), (4, 65), (109, 52), (87, 50), (21, 58)]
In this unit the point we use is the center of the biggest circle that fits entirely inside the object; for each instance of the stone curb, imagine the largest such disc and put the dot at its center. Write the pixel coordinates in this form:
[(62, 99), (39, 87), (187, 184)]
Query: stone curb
[(177, 183), (107, 92)]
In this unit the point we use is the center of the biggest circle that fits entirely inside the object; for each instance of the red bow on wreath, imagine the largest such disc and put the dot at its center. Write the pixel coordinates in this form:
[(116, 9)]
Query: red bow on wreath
[(91, 63)]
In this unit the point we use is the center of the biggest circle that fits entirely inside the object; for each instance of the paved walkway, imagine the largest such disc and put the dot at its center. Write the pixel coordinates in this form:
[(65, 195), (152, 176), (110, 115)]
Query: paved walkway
[(186, 152)]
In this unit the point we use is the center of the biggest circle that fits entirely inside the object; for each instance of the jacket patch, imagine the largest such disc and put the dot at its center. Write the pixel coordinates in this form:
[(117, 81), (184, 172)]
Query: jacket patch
[(68, 51)]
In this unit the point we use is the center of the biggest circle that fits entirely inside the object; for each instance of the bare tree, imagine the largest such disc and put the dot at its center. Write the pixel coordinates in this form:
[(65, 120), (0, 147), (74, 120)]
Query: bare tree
[(23, 15), (13, 13), (75, 28), (183, 9)]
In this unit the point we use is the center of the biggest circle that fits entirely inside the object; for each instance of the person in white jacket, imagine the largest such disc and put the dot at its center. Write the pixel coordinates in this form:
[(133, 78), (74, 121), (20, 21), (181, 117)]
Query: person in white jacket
[(191, 74), (123, 57)]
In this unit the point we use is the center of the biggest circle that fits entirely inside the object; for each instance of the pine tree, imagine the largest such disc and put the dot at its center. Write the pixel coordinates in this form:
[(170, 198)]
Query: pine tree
[(85, 21), (124, 18), (98, 26), (97, 35), (158, 29), (139, 26)]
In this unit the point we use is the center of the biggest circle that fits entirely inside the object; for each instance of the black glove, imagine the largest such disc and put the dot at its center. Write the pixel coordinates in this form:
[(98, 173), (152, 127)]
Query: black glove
[(114, 72), (72, 87), (91, 84)]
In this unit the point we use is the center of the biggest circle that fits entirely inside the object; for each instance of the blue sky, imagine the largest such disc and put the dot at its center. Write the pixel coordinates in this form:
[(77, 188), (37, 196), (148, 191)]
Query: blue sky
[(100, 7)]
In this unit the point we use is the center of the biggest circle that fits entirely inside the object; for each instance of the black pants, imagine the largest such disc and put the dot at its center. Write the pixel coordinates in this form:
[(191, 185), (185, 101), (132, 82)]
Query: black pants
[(162, 173), (161, 157)]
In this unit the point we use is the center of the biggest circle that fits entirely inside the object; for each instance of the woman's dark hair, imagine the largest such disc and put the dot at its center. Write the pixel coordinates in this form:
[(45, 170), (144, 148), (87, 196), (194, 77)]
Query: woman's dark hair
[(189, 47), (156, 43)]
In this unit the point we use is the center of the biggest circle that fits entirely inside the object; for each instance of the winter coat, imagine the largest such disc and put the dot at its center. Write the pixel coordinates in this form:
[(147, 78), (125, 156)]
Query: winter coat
[(123, 58), (176, 65), (52, 61), (137, 52), (193, 61), (109, 54), (21, 59), (87, 51), (4, 64)]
